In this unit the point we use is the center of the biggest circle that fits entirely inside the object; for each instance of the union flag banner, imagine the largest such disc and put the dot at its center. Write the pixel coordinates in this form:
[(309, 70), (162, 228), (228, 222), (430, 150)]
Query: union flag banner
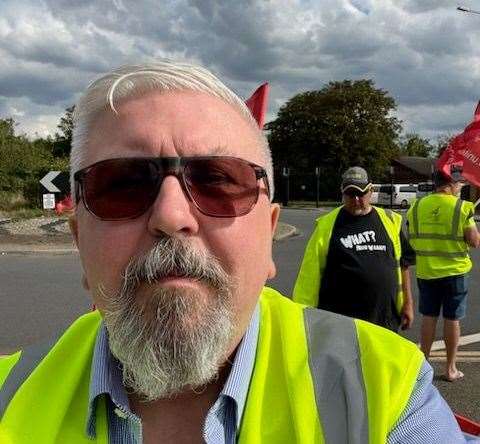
[(463, 152), (257, 104)]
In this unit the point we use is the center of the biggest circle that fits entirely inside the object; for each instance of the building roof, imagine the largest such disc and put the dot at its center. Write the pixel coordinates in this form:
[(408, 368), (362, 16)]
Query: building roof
[(419, 165)]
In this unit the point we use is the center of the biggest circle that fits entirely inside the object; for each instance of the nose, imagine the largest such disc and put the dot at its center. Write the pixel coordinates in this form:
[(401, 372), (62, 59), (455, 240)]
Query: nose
[(172, 213)]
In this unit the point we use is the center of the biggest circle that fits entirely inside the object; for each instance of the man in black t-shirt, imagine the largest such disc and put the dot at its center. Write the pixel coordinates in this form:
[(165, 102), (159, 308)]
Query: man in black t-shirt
[(356, 262)]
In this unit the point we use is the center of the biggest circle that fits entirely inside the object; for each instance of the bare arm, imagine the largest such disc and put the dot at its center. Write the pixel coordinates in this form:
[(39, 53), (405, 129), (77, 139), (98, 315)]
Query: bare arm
[(471, 236), (407, 308)]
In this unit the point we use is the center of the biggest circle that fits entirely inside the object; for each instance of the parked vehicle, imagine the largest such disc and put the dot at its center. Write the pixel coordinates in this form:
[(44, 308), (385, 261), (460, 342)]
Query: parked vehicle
[(403, 194), (424, 188), (375, 190)]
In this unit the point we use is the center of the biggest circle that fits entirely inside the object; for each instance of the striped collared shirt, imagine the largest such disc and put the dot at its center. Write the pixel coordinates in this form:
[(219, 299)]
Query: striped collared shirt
[(223, 419)]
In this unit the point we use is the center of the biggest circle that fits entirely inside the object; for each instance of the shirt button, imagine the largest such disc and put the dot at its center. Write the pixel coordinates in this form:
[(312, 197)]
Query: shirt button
[(120, 413)]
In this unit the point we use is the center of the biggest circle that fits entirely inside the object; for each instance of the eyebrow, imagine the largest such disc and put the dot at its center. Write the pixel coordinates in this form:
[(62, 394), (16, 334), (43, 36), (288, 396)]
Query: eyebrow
[(217, 150), (220, 150)]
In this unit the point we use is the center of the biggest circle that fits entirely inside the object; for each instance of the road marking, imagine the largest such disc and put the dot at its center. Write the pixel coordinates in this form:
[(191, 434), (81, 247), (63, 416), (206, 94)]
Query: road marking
[(464, 340), (462, 356)]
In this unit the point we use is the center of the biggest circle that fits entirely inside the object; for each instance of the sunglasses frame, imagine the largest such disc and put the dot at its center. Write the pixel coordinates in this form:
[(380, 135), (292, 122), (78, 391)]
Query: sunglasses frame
[(356, 192), (172, 166)]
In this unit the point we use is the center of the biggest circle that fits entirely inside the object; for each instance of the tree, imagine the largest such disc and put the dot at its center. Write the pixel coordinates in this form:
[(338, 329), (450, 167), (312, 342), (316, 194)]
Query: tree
[(345, 123), (22, 165), (414, 145), (442, 142), (63, 141)]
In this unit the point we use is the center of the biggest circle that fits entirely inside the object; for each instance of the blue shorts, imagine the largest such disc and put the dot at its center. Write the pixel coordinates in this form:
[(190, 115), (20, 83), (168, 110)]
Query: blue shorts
[(449, 292)]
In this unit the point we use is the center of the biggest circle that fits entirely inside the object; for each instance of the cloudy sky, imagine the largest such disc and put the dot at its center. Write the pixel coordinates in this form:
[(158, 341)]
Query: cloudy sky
[(424, 52)]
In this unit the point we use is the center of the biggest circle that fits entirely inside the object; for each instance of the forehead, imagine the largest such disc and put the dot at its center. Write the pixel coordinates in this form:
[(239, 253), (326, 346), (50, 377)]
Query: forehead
[(172, 124)]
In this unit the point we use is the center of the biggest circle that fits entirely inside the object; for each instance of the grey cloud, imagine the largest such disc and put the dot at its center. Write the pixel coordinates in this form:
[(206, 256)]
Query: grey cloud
[(416, 50), (420, 6)]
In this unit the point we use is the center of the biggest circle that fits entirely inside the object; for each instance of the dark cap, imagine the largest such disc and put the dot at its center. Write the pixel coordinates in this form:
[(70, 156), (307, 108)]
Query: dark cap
[(440, 179), (355, 177)]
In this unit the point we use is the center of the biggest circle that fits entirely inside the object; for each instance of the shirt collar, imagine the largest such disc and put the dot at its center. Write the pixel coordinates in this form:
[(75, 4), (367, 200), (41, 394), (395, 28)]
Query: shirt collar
[(106, 379), (106, 374), (238, 381)]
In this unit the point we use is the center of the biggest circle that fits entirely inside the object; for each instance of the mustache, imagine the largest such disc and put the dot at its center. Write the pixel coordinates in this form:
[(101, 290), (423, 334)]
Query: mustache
[(174, 257)]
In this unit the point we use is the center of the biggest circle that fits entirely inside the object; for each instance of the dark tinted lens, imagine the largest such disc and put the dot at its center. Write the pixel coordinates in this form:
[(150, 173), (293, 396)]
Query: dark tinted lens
[(120, 188), (223, 187), (353, 192)]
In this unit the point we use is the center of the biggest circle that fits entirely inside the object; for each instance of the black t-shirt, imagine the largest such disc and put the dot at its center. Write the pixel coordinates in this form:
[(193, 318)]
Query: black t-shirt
[(360, 278)]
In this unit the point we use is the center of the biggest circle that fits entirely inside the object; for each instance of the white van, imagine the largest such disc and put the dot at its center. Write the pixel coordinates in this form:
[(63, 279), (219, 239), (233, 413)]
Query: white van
[(375, 190), (424, 188), (403, 194)]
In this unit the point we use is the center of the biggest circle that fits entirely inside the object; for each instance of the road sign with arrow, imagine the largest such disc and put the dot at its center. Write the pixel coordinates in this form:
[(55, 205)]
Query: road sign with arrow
[(56, 182)]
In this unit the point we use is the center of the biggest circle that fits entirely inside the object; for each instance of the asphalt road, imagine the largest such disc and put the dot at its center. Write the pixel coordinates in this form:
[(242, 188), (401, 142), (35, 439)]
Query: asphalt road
[(42, 294)]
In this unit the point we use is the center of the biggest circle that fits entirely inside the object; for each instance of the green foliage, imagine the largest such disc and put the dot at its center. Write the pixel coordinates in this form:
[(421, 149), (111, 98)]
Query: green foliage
[(345, 123), (22, 164), (414, 145), (442, 142), (63, 141)]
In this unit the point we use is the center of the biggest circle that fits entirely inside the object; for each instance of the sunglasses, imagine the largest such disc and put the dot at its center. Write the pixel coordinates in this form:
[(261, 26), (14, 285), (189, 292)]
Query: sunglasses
[(354, 192), (125, 188)]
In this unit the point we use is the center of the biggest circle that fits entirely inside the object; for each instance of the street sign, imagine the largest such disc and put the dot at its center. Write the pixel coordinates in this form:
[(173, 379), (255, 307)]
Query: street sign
[(49, 201), (46, 181), (56, 182)]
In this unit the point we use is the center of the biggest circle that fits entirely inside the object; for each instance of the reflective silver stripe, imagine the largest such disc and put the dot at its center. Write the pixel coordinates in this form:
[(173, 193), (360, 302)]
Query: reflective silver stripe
[(415, 216), (29, 359), (456, 217), (334, 360), (436, 236), (441, 253)]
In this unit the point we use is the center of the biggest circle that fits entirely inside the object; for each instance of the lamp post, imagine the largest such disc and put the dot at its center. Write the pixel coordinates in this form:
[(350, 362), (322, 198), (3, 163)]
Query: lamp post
[(469, 10), (286, 177)]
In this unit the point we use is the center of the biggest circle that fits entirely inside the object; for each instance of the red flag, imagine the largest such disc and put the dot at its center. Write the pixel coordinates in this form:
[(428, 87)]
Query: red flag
[(257, 104), (452, 155), (464, 151), (64, 205)]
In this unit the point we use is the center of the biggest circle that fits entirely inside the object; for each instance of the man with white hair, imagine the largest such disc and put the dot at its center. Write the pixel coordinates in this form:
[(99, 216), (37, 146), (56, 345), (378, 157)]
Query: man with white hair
[(174, 223)]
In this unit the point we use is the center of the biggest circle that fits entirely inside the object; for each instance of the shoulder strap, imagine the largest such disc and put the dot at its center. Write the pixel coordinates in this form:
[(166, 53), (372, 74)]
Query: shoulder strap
[(334, 360)]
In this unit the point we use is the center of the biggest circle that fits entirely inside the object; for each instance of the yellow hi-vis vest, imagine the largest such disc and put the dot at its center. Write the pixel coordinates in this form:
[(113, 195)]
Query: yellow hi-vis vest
[(435, 230), (318, 378), (309, 279)]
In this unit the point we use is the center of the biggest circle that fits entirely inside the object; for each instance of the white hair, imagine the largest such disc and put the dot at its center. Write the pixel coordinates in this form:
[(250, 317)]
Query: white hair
[(133, 80)]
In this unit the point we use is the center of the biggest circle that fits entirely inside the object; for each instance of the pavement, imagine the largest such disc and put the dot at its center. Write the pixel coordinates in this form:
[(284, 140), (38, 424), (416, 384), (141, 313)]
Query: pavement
[(51, 234)]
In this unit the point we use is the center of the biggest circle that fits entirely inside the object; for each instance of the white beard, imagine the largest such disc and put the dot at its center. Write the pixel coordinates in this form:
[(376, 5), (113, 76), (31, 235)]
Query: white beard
[(176, 338)]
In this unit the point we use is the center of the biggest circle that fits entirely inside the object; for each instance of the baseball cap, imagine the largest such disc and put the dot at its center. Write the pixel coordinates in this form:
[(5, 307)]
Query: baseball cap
[(440, 179), (355, 177)]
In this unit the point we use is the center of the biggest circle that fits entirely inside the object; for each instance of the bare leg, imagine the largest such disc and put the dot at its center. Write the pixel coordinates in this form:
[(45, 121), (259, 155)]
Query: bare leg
[(451, 333), (427, 334)]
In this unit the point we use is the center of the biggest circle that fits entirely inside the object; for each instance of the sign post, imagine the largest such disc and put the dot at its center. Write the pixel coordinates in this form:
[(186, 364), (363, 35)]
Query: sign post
[(286, 175), (317, 178), (391, 185), (55, 185)]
